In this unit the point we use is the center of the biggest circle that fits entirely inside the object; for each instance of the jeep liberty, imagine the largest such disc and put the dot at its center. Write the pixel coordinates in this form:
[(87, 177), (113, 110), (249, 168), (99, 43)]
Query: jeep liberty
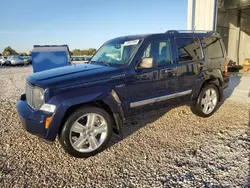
[(84, 104)]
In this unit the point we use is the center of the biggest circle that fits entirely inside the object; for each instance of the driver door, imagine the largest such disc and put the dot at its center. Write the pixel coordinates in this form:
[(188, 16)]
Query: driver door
[(147, 88)]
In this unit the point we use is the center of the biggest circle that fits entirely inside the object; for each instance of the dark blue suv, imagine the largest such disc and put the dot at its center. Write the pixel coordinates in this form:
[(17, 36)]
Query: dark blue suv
[(83, 104)]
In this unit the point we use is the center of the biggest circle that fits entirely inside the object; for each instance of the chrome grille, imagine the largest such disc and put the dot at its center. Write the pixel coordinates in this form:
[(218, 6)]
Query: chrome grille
[(29, 95)]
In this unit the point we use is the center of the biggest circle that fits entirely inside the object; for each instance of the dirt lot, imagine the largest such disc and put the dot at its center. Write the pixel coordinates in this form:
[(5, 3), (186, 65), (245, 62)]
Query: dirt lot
[(170, 148)]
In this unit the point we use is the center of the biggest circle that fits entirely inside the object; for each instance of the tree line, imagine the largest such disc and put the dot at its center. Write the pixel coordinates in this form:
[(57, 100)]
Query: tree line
[(78, 52), (8, 51)]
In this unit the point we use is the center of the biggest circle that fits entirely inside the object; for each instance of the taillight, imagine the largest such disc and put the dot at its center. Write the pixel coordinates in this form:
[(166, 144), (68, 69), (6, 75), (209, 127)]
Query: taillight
[(225, 73)]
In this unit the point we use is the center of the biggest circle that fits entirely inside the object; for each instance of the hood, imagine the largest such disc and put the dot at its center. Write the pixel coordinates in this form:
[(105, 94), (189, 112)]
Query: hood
[(72, 75)]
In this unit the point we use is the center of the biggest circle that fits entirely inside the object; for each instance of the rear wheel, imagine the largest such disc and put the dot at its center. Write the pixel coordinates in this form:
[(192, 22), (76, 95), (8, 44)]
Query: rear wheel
[(207, 102), (86, 132)]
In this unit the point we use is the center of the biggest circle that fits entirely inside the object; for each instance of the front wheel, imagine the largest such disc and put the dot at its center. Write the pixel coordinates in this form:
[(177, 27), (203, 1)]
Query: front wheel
[(207, 102), (86, 132)]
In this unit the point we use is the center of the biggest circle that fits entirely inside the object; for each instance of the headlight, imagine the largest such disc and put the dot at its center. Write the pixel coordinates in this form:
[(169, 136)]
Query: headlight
[(34, 96), (38, 97)]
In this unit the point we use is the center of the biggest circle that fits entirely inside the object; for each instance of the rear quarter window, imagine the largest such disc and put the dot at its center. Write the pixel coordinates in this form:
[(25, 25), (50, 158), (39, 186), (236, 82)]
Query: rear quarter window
[(188, 49), (213, 48)]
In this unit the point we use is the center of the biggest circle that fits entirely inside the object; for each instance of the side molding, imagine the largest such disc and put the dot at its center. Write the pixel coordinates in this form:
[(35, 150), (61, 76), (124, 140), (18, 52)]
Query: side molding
[(158, 99)]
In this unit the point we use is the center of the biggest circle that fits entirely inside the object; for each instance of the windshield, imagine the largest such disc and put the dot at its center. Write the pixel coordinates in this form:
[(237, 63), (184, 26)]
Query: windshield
[(116, 52)]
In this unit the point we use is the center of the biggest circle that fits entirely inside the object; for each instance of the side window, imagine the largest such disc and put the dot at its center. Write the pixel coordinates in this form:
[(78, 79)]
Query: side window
[(213, 48), (160, 51), (188, 49), (146, 53)]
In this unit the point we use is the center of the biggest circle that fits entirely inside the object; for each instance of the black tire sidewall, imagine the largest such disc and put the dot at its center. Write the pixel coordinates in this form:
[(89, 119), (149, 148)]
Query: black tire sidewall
[(64, 136)]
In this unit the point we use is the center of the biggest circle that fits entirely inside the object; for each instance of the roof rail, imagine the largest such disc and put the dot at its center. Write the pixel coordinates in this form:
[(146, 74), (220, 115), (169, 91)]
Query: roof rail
[(172, 31), (189, 31)]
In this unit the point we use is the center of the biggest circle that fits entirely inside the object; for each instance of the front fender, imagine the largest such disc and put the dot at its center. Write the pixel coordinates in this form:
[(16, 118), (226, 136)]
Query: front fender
[(68, 99), (114, 103)]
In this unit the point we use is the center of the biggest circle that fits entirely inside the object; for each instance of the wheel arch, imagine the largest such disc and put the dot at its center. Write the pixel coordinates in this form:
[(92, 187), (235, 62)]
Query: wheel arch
[(210, 77), (216, 82), (110, 103)]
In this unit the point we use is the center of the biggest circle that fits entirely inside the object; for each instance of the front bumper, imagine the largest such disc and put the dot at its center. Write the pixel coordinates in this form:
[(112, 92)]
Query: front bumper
[(33, 120)]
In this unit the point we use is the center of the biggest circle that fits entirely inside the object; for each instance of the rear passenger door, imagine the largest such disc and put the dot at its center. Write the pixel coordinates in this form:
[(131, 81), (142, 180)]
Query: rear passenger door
[(189, 63)]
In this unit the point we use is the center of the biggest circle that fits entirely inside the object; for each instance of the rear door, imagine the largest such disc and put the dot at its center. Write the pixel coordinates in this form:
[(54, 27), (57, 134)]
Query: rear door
[(190, 62)]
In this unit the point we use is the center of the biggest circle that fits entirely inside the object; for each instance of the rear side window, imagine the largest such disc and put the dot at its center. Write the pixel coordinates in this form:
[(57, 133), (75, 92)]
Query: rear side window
[(213, 48), (188, 49)]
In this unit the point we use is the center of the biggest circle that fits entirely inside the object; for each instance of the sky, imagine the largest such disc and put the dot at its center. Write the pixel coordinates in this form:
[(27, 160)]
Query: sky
[(84, 24)]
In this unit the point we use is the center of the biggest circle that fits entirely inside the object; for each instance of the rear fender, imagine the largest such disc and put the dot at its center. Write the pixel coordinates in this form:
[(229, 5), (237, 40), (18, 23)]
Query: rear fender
[(212, 76)]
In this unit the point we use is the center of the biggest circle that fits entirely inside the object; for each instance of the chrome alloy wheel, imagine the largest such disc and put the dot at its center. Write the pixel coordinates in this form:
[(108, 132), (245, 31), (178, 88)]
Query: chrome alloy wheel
[(209, 101), (88, 132)]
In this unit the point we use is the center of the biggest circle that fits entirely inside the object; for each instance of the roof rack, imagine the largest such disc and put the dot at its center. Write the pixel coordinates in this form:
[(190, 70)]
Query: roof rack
[(172, 31), (190, 31)]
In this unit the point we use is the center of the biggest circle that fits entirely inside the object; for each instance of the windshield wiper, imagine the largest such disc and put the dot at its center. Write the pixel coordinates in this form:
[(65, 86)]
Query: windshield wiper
[(101, 62), (104, 63)]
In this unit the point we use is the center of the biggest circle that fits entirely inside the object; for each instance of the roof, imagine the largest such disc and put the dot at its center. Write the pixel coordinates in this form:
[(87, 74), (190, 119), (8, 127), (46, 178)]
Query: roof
[(180, 33), (131, 37)]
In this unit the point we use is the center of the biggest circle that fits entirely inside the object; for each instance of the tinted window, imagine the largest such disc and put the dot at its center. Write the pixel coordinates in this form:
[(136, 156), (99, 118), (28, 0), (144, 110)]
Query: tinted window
[(213, 48), (188, 49), (160, 51)]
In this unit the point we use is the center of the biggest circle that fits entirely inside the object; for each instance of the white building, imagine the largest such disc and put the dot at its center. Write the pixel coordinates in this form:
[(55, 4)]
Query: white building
[(231, 18)]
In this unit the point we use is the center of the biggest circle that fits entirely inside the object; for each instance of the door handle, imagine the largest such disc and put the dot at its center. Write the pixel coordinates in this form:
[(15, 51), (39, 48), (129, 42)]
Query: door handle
[(169, 70)]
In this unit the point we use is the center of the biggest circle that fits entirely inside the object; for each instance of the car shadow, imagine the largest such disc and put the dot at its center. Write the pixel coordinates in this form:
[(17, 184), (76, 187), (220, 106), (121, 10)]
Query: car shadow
[(13, 66), (233, 83), (135, 123)]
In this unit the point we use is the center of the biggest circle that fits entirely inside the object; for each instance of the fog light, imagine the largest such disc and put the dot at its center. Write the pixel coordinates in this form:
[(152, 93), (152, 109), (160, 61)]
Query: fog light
[(48, 108)]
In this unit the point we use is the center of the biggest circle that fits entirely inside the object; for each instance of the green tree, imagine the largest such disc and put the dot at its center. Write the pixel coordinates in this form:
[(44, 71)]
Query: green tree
[(6, 53), (23, 54), (92, 51), (78, 52), (9, 51)]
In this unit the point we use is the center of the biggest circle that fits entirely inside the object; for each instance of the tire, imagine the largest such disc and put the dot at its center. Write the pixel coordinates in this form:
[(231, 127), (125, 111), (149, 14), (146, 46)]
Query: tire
[(211, 103), (79, 139)]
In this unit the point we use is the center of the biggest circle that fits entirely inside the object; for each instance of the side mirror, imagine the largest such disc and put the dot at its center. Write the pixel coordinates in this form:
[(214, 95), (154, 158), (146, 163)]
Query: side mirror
[(147, 63)]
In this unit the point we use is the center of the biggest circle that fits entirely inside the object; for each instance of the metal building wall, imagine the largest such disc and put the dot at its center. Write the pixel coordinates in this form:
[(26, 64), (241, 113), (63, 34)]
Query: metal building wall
[(228, 18), (227, 27), (201, 14), (244, 47), (234, 28)]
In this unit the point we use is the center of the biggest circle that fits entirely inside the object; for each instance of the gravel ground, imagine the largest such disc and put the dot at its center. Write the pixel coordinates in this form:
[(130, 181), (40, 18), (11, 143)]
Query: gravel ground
[(170, 148)]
